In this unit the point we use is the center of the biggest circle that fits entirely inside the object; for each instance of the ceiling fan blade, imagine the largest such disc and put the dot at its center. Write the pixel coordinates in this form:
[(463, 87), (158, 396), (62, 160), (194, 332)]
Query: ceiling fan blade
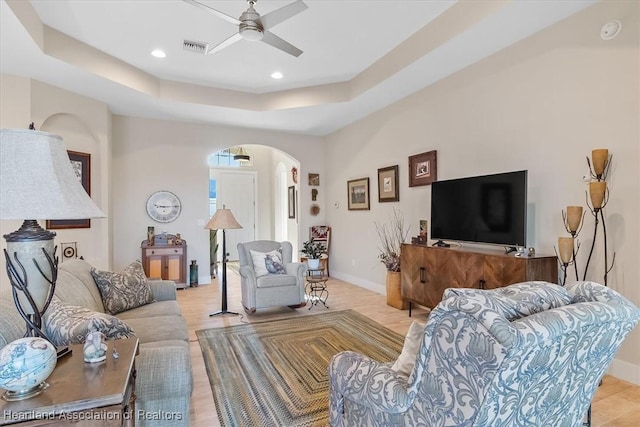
[(228, 42), (272, 19), (277, 42), (219, 14)]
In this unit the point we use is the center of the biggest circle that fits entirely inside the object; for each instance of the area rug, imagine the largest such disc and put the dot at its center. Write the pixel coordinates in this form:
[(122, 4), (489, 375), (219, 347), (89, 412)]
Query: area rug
[(275, 373)]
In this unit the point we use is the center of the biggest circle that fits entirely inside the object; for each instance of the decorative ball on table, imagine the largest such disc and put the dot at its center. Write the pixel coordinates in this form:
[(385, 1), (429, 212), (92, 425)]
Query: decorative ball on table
[(24, 366)]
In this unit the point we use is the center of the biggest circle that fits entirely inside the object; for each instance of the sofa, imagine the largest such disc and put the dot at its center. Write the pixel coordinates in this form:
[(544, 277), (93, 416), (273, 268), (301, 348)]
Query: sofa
[(529, 354), (164, 380)]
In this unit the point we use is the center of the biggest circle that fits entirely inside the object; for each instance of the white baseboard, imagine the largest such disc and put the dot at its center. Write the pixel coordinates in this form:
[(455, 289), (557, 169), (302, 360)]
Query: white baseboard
[(372, 286), (625, 371)]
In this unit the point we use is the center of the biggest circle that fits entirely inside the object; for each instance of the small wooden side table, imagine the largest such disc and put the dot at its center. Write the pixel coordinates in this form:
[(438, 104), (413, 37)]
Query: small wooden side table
[(82, 394)]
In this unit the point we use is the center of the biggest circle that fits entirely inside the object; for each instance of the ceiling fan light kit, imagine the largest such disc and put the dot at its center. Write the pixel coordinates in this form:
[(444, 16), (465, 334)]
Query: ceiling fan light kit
[(253, 27)]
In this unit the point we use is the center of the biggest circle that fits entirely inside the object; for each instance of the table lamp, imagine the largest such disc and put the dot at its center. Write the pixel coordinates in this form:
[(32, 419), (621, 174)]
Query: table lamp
[(223, 219), (37, 181)]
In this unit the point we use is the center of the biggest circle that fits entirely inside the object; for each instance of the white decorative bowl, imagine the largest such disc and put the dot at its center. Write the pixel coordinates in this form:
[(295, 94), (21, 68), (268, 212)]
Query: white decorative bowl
[(24, 365)]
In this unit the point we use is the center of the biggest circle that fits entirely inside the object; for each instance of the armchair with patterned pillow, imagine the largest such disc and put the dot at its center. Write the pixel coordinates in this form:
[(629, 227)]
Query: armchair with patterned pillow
[(527, 354), (268, 276)]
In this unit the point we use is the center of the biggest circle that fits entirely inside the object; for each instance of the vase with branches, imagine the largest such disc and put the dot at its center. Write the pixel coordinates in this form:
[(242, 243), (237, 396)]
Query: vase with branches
[(392, 235)]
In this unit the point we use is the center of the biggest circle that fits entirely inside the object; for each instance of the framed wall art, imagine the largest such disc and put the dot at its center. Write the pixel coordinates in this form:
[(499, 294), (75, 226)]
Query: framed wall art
[(314, 179), (388, 189), (358, 194), (423, 169), (81, 163), (292, 201)]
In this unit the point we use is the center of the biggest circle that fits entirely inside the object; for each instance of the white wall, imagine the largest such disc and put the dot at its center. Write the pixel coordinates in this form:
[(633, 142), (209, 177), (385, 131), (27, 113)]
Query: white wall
[(540, 105), (150, 155)]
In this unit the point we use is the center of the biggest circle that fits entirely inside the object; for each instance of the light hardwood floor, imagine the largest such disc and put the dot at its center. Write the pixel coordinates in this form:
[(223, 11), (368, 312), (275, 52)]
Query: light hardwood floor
[(617, 403)]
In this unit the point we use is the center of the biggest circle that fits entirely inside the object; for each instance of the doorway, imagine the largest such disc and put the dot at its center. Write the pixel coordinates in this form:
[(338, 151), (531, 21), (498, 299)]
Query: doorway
[(236, 190)]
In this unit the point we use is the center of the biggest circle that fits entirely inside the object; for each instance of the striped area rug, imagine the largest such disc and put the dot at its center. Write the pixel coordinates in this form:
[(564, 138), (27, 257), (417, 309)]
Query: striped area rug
[(275, 373)]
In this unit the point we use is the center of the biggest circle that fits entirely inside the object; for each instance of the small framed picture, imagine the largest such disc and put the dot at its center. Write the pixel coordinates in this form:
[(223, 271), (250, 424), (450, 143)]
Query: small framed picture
[(292, 201), (314, 179), (423, 169), (424, 224), (81, 163), (358, 194), (388, 184)]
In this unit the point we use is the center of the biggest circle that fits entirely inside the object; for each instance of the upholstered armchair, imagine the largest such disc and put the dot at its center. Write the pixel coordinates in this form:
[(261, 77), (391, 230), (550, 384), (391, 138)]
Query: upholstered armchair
[(268, 276), (528, 354)]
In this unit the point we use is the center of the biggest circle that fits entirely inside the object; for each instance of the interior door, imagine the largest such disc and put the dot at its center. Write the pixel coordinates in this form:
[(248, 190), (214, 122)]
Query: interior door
[(237, 191)]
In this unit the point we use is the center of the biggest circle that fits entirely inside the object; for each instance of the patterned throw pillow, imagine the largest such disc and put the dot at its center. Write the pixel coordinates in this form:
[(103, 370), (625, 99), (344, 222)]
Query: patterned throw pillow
[(123, 291), (70, 324), (407, 358), (268, 262)]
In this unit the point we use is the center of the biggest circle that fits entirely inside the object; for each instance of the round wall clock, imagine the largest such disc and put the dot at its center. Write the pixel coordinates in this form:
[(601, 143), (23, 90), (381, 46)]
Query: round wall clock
[(164, 206)]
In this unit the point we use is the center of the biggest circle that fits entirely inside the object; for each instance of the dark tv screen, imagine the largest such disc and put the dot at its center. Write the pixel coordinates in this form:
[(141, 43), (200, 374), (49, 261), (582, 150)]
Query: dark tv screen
[(482, 209)]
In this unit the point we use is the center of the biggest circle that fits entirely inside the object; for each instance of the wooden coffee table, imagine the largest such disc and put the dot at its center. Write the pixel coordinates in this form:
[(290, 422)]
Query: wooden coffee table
[(82, 394)]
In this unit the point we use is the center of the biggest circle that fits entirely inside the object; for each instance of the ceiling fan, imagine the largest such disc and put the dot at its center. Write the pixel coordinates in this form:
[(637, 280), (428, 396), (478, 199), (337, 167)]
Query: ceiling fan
[(253, 27)]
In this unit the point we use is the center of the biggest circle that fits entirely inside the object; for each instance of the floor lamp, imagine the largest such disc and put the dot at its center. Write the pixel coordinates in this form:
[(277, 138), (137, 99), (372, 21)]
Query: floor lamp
[(37, 181), (223, 219)]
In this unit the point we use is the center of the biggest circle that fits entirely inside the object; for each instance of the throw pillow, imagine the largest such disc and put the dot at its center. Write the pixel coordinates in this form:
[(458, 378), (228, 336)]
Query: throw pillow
[(407, 358), (70, 324), (268, 262), (123, 291)]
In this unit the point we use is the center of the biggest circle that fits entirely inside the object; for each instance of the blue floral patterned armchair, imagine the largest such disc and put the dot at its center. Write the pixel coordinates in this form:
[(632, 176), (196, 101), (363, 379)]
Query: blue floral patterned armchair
[(530, 354)]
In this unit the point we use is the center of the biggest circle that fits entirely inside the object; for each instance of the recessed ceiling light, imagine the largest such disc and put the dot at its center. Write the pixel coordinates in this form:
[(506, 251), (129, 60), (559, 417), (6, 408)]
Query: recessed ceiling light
[(158, 53), (276, 75)]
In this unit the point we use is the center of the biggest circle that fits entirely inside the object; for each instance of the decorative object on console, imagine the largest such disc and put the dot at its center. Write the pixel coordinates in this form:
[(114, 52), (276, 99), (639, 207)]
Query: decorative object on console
[(24, 366), (388, 188), (95, 347), (358, 194), (392, 236), (36, 181), (81, 163), (223, 220), (150, 235), (423, 168)]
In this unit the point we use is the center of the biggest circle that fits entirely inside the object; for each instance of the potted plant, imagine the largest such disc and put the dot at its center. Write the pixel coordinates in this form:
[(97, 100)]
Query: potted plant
[(391, 236), (313, 251)]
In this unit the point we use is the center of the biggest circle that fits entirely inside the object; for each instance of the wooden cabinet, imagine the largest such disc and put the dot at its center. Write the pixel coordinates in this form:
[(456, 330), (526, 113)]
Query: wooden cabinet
[(427, 271), (168, 262)]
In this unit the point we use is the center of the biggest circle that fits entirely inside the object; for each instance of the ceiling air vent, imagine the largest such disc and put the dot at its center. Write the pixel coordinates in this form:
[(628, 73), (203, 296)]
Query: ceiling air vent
[(197, 47)]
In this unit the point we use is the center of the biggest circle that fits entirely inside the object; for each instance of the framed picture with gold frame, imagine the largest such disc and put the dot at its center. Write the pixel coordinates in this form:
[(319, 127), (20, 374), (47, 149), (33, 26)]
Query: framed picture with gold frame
[(358, 194), (81, 163), (388, 188), (423, 169)]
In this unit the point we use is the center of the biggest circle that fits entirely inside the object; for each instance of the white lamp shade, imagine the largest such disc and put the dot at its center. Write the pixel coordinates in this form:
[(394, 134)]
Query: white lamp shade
[(223, 219), (37, 180)]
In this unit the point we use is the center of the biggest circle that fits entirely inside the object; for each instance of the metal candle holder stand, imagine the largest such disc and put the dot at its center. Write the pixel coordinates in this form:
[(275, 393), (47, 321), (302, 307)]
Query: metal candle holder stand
[(595, 212)]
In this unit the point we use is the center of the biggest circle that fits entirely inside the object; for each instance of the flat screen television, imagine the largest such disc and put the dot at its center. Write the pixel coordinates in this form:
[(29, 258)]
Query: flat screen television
[(481, 209)]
